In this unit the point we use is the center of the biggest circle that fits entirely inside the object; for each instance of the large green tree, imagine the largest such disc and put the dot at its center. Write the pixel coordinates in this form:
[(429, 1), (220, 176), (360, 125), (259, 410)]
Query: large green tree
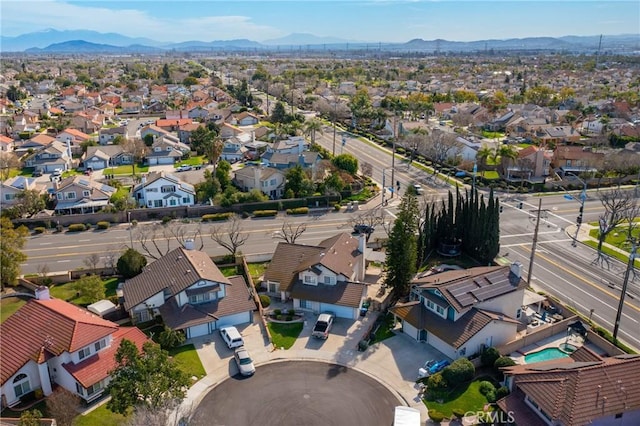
[(11, 256), (298, 182), (148, 378), (131, 263), (346, 162), (90, 287), (402, 246)]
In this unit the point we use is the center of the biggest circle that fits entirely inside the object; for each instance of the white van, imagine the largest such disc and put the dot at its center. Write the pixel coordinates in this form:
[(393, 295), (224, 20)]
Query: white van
[(231, 337), (406, 416)]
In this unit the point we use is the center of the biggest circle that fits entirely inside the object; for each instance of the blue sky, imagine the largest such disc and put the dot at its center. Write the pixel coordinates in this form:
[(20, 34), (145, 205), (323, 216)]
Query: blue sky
[(369, 21)]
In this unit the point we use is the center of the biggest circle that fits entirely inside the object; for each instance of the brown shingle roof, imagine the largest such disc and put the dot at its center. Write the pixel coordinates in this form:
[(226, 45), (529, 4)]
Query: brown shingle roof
[(287, 261), (42, 328), (465, 287), (455, 333), (177, 270), (343, 293), (237, 300), (577, 392)]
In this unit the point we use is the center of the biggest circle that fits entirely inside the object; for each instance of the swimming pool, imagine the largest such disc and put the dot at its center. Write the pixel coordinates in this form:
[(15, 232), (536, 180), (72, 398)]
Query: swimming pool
[(545, 355)]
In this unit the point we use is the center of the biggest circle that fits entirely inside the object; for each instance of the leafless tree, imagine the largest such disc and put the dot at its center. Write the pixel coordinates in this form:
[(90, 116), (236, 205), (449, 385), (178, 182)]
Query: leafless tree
[(617, 205), (230, 235), (43, 272), (441, 145), (136, 148), (63, 406), (462, 119), (92, 261), (630, 216), (170, 414), (111, 256), (8, 161), (157, 240), (290, 232), (367, 169), (416, 141)]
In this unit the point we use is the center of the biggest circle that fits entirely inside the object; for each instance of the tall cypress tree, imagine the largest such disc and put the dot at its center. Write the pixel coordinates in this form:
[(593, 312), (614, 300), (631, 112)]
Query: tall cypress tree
[(402, 246)]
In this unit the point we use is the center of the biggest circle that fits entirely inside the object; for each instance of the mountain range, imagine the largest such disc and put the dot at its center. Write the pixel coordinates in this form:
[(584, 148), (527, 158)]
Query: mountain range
[(85, 41)]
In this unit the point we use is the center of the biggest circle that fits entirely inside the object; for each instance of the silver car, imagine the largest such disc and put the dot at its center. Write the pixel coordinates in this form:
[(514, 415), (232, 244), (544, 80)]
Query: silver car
[(244, 361)]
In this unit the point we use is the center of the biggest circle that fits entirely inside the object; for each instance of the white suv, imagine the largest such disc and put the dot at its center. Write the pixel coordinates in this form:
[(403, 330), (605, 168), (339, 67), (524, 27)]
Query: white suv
[(231, 337)]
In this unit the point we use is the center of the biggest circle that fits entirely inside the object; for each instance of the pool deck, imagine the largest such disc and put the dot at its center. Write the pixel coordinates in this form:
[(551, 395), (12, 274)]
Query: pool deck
[(552, 342)]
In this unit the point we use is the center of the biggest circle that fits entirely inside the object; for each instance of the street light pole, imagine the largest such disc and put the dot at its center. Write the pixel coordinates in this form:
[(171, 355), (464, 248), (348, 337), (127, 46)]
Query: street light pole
[(582, 199), (384, 189), (625, 283), (130, 225), (334, 126), (393, 154)]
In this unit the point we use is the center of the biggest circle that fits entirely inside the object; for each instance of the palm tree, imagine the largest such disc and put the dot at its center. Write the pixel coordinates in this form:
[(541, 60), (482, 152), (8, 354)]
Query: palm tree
[(311, 127), (483, 155), (505, 153)]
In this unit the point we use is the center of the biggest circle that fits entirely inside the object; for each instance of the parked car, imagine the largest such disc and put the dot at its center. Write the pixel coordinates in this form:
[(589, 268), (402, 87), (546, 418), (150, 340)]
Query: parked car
[(323, 325), (37, 173), (363, 229), (231, 337), (184, 168), (244, 361), (438, 366), (57, 172), (424, 370)]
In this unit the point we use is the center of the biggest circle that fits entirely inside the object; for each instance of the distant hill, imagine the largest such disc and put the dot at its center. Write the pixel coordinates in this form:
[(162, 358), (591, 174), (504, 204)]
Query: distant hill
[(84, 41)]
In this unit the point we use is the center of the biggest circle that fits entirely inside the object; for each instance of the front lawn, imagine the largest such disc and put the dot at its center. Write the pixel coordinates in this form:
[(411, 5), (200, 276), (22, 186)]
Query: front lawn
[(197, 160), (491, 174), (618, 237), (100, 417), (8, 306), (110, 286), (66, 292), (465, 397), (385, 330), (126, 170), (188, 360), (284, 335), (256, 270), (229, 271)]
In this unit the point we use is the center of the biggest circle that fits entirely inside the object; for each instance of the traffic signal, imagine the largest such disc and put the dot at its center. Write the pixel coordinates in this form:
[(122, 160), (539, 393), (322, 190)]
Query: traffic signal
[(398, 184), (579, 219), (581, 210), (520, 204), (500, 209)]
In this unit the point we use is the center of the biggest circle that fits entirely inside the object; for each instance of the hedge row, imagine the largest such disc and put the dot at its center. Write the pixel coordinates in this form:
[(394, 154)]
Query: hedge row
[(39, 229), (103, 224), (77, 227), (215, 217), (299, 210), (265, 213)]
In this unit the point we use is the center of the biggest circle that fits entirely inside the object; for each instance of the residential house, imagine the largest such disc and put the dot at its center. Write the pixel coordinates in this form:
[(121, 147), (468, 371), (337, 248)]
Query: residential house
[(16, 185), (176, 114), (228, 131), (326, 277), (107, 135), (533, 163), (186, 288), (184, 132), (6, 144), (198, 113), (101, 157), (244, 119), (165, 151), (75, 137), (307, 159), (291, 145), (56, 155), (268, 180), (459, 312), (576, 159), (50, 342), (583, 388), (157, 132), (36, 143), (172, 125), (232, 150), (162, 189), (81, 194), (131, 107), (555, 135)]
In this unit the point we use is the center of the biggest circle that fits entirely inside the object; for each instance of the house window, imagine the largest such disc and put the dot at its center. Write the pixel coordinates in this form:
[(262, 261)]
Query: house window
[(304, 304), (152, 189), (21, 385), (430, 305), (84, 352), (440, 310), (327, 280), (309, 279), (100, 344), (157, 203), (185, 200), (86, 193), (70, 195), (168, 188), (172, 202), (95, 388), (199, 298), (9, 197), (60, 196), (79, 389)]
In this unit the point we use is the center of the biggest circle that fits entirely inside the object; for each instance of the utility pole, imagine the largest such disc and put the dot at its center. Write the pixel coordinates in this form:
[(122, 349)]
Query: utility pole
[(335, 104), (625, 283), (535, 241), (393, 155)]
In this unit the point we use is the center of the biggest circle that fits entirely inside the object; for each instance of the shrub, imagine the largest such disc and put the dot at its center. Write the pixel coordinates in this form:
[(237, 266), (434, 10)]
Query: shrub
[(299, 210), (131, 263), (337, 207), (436, 416), (486, 387), (77, 227), (501, 392), (503, 361), (436, 383), (103, 224), (265, 213), (215, 217), (166, 219), (460, 371), (169, 339), (277, 312), (291, 312), (491, 396), (39, 230), (458, 412), (265, 300), (289, 318), (489, 356), (88, 225)]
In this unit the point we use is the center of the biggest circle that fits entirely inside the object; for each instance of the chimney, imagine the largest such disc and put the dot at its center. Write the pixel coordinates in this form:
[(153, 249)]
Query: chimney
[(189, 244), (516, 269), (69, 149), (300, 145), (42, 293), (257, 174), (301, 159), (362, 246), (143, 179)]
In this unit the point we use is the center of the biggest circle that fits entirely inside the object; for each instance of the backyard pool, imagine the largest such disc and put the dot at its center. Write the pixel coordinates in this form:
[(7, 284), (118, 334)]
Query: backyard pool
[(545, 355)]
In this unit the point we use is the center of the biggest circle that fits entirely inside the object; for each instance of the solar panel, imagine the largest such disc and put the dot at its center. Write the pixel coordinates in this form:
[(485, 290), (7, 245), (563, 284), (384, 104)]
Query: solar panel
[(83, 182)]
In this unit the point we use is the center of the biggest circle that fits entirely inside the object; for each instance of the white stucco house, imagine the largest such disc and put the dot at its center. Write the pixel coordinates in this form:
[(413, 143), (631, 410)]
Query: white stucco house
[(189, 292), (460, 312), (266, 179), (51, 342), (160, 189)]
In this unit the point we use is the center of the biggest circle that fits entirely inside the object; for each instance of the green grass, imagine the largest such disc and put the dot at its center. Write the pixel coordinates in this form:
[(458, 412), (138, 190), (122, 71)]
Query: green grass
[(284, 335), (466, 397), (229, 271), (126, 170), (8, 306), (192, 161), (110, 286), (66, 292), (71, 172), (100, 417), (188, 361), (384, 331), (491, 174), (256, 270), (618, 237), (14, 414), (612, 253), (492, 135), (523, 145)]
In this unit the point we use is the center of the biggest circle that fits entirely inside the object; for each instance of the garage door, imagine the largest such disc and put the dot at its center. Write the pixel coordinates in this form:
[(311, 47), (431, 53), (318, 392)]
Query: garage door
[(95, 165), (340, 311), (241, 318), (165, 160), (198, 330)]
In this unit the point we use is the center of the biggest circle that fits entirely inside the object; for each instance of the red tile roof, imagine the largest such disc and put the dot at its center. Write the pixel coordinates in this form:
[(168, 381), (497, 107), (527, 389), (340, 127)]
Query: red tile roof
[(97, 367), (168, 122), (47, 327)]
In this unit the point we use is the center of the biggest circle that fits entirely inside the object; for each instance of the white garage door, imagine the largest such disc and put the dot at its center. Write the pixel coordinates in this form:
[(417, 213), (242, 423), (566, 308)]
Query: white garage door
[(340, 311), (198, 330), (95, 165), (165, 160), (241, 318)]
